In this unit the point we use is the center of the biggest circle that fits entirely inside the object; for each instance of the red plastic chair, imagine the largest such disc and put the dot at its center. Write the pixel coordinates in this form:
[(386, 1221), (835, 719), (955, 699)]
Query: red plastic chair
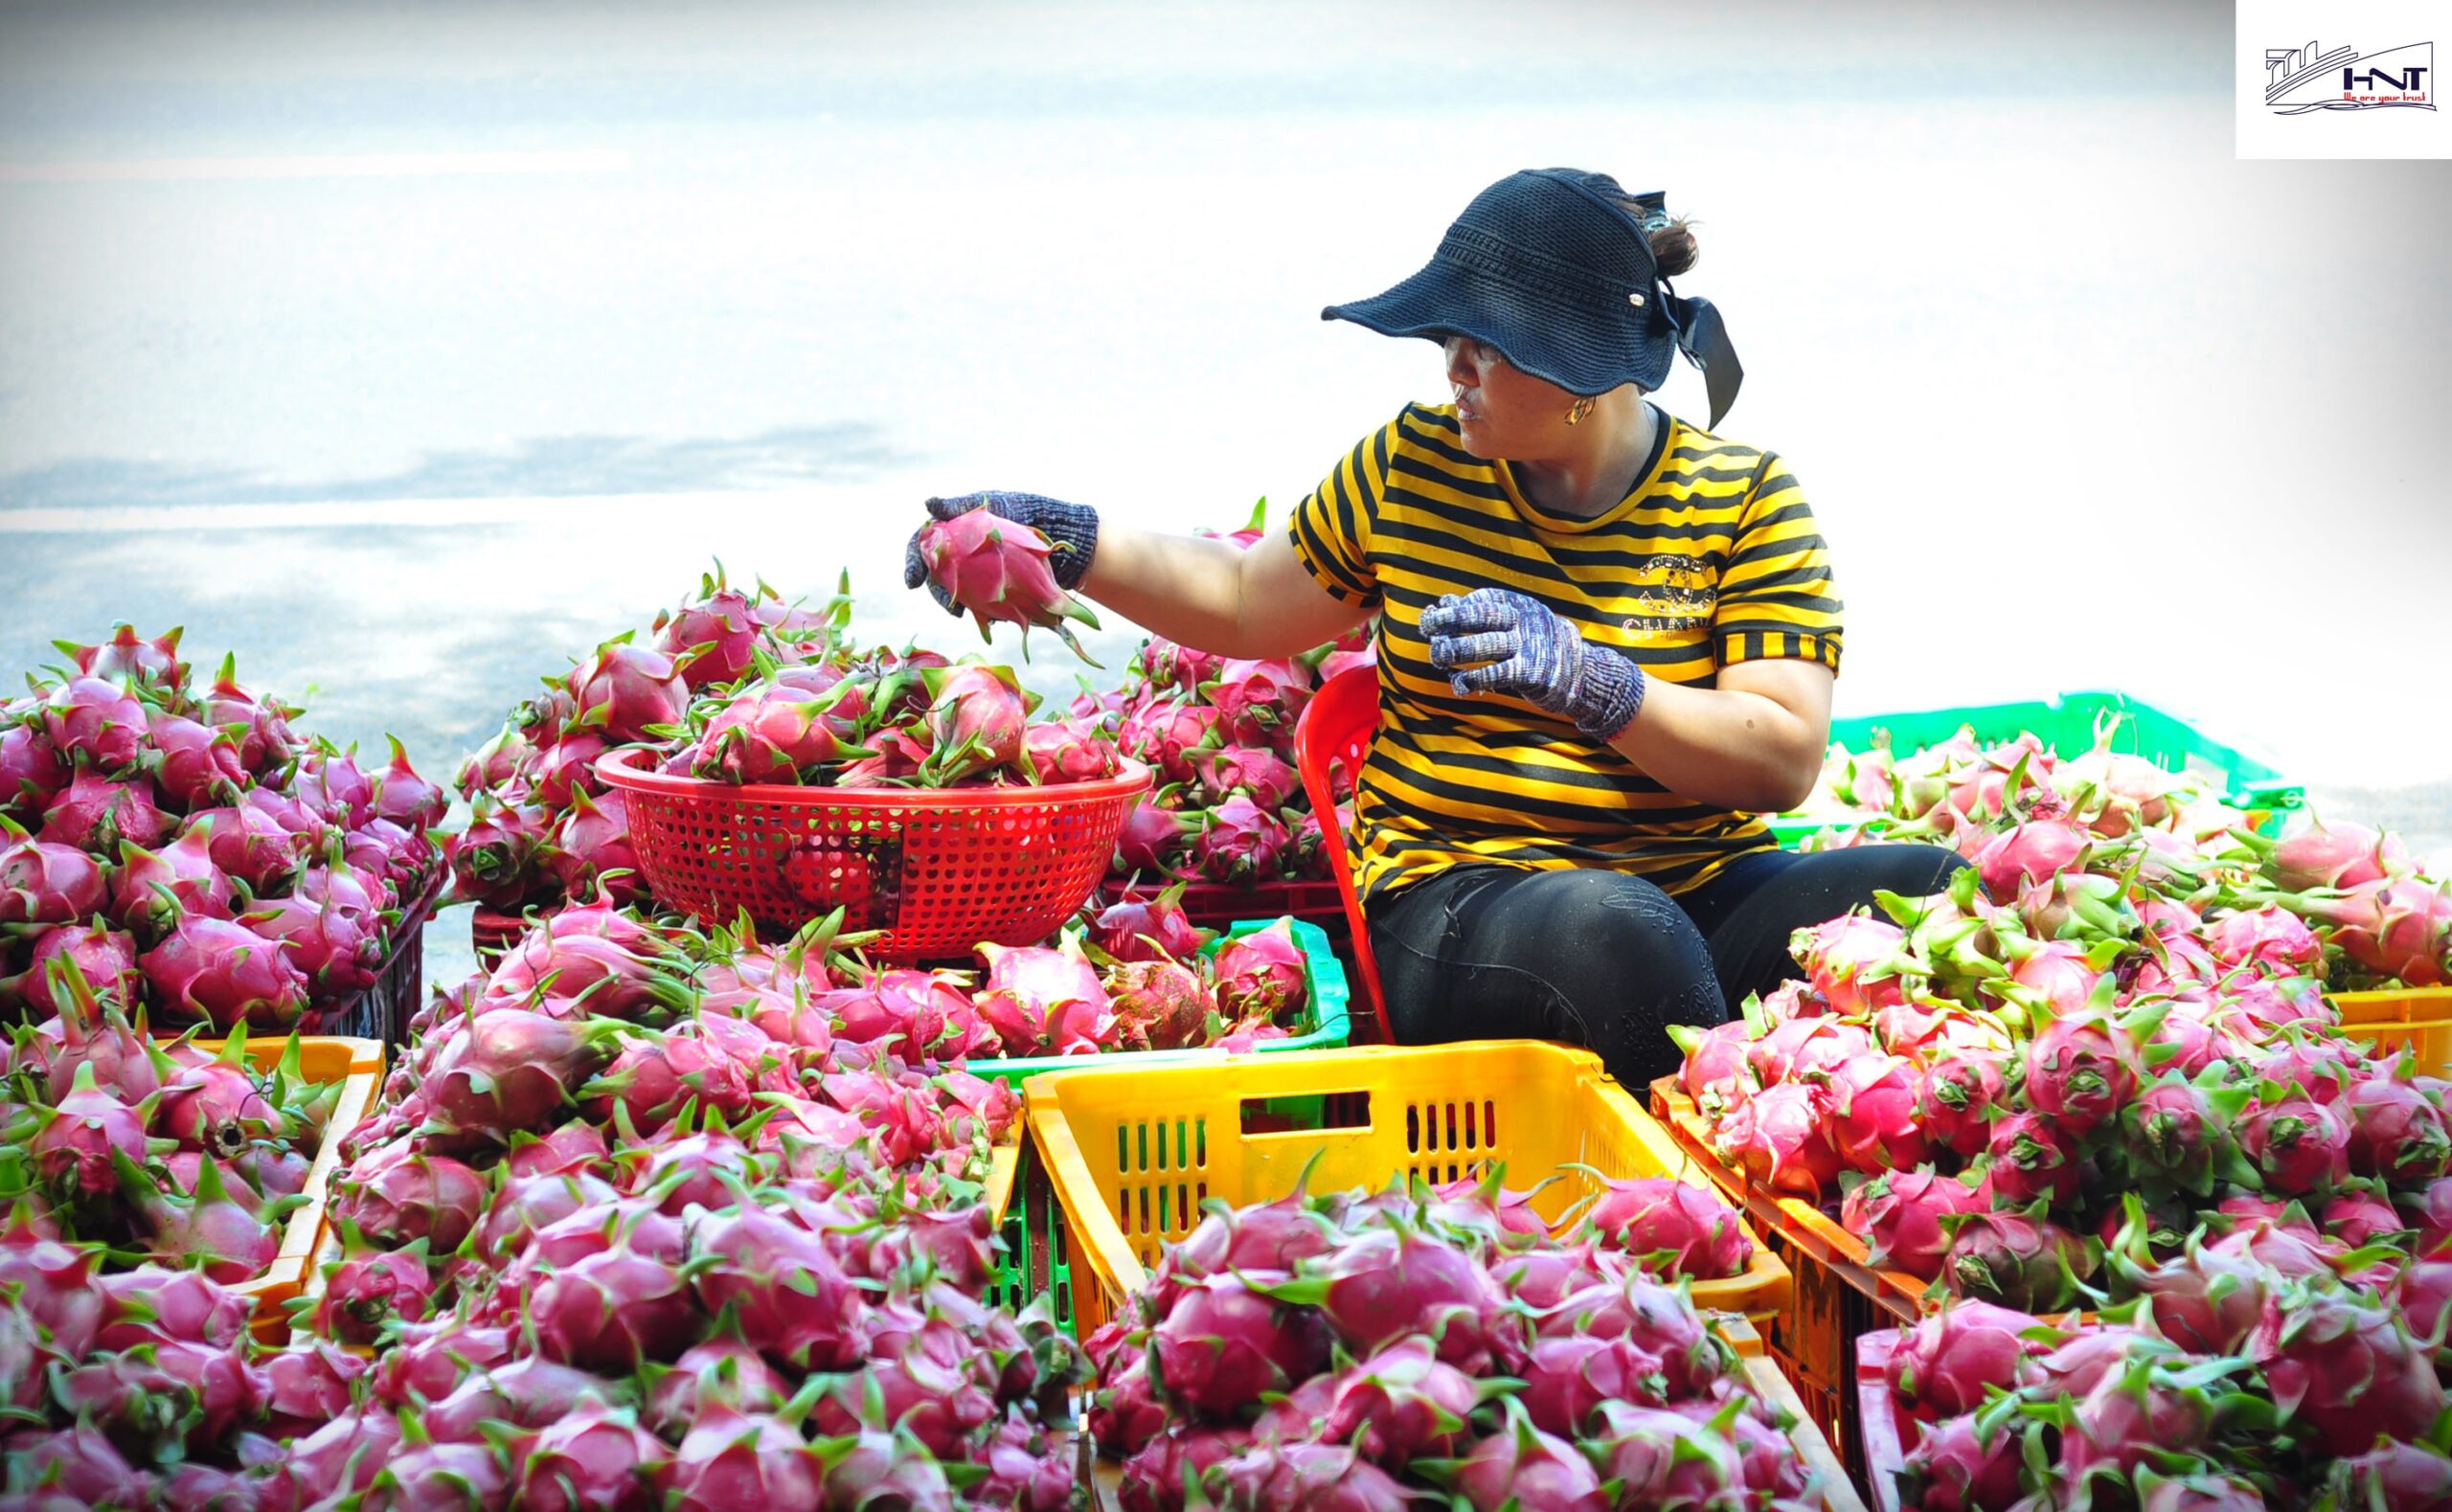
[(1336, 727)]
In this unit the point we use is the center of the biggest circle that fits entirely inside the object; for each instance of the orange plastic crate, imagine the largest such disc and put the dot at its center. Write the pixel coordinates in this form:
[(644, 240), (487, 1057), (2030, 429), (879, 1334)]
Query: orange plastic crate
[(1133, 1153)]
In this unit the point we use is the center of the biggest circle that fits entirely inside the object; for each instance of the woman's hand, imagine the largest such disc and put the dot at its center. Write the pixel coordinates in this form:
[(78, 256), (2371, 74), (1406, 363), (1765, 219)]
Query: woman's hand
[(1525, 650), (1073, 527)]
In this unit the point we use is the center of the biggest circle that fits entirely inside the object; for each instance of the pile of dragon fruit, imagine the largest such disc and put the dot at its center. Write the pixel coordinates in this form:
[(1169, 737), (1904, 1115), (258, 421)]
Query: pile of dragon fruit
[(2238, 1382), (1438, 1345), (653, 1214), (172, 1152), (188, 853)]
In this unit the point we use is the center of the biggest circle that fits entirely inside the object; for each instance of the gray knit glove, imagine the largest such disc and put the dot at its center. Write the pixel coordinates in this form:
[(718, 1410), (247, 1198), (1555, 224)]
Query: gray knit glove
[(1498, 640)]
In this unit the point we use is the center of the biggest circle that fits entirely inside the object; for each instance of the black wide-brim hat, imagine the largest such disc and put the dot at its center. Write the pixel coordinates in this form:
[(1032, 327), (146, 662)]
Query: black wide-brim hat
[(1546, 267)]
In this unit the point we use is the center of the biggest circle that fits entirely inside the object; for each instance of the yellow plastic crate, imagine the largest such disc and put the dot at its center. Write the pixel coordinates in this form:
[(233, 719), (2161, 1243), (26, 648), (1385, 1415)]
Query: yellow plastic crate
[(2417, 1019), (357, 1064), (1133, 1153)]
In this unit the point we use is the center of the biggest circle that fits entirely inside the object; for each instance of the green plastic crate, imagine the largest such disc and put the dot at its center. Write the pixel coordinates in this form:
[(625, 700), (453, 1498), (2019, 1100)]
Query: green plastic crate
[(1035, 1261), (2067, 725)]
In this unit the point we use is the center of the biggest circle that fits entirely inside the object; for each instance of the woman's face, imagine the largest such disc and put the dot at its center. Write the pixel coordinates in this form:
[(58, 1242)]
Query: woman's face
[(1500, 410)]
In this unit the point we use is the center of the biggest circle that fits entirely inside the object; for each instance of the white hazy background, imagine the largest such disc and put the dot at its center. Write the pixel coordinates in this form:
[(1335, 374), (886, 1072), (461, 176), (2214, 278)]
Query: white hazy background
[(409, 349)]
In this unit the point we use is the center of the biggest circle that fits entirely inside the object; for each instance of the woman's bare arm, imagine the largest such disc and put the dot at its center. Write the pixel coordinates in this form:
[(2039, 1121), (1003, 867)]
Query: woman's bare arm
[(1753, 743), (1215, 597)]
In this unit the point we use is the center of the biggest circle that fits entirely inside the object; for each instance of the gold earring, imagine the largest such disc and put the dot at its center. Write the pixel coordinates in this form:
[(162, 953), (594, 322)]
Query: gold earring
[(1580, 408)]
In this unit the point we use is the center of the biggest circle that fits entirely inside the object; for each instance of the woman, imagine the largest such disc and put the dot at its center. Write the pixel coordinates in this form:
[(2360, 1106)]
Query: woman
[(1606, 639)]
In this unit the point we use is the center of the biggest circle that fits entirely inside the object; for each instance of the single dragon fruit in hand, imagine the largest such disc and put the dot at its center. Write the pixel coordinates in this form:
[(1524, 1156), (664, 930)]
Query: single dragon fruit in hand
[(997, 569)]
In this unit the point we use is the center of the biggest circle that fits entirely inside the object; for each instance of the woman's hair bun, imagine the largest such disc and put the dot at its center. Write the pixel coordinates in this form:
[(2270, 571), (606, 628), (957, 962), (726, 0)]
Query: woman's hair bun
[(1673, 247)]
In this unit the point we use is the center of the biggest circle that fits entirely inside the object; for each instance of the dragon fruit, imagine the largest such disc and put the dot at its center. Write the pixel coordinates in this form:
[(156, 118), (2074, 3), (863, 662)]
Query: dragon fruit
[(194, 767), (571, 972), (152, 892), (2398, 927), (2081, 1070), (1160, 1005), (2034, 1157), (1241, 842), (1851, 962), (1900, 1215), (567, 768), (2174, 1129), (1224, 1342), (790, 1292), (712, 638), (510, 1069), (1955, 1099), (1807, 1048), (1958, 1466), (366, 1291), (1779, 1137), (1165, 732), (1069, 751), (155, 1304), (250, 845), (1138, 928), (1260, 975), (31, 772), (70, 962), (218, 1107), (398, 1194), (332, 950), (976, 718), (2298, 1146), (95, 813), (267, 742), (1521, 1466), (1951, 1359), (97, 722), (2389, 1475), (1715, 1072), (2358, 1220), (772, 734), (1873, 1113), (2034, 851), (1179, 666), (1044, 1002), (2338, 856), (80, 1141), (2269, 938), (1328, 1477), (721, 1370), (77, 1466), (225, 974), (1152, 839), (1259, 702), (653, 1076), (613, 1310), (208, 1229), (1254, 771), (2396, 1131), (1653, 1216), (624, 691), (2022, 1261), (997, 569), (430, 1476), (595, 1458), (2345, 1364)]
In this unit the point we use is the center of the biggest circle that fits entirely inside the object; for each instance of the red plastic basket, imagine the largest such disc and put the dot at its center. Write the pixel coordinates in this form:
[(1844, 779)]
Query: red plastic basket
[(938, 870)]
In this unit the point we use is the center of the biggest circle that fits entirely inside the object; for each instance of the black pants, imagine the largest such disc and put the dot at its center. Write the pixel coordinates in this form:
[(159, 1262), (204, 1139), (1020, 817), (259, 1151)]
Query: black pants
[(1607, 961)]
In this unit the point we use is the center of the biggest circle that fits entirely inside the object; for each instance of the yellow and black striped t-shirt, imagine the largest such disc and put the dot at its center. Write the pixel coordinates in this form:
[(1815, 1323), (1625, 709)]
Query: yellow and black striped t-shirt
[(1713, 559)]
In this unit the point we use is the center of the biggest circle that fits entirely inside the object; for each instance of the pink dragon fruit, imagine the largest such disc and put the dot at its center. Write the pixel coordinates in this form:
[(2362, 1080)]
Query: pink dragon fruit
[(1179, 666), (2340, 856), (1955, 1100), (2031, 853), (1873, 1113), (225, 974), (2296, 1144), (332, 950), (406, 798), (69, 962), (651, 1077), (153, 891), (510, 1069), (1241, 842), (2400, 928), (250, 845), (1779, 1137), (2205, 1299), (1805, 1049), (1717, 1073), (1165, 732), (95, 813), (1254, 771), (719, 1371), (622, 691), (772, 734), (613, 1310), (1522, 1466), (732, 1462), (1398, 1405), (1044, 1002), (1160, 1005), (790, 1292), (83, 1140), (96, 722), (126, 657), (1950, 1360), (493, 863), (2357, 1219), (1853, 961), (1293, 1473), (1699, 1234), (2034, 1157), (77, 1466), (208, 1229), (1069, 751), (712, 638), (568, 972), (591, 854), (1260, 975), (2396, 1131), (976, 717), (1138, 928), (1958, 1466), (997, 569), (430, 1476), (267, 742), (1152, 839), (2269, 938), (366, 1291), (31, 772), (1899, 1216), (2081, 1070), (594, 1459), (1259, 702), (1223, 1344), (2024, 1263), (219, 1106), (2389, 1475), (396, 1195), (155, 1304), (2174, 1129), (194, 767), (2347, 1366)]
